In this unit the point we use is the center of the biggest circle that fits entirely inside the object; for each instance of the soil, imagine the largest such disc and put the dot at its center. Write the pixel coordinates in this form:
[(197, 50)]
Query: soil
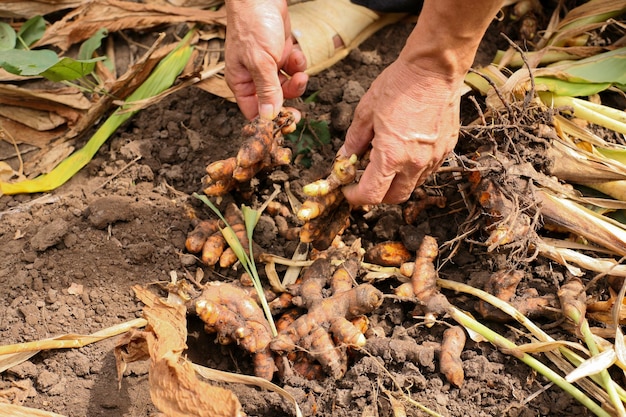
[(68, 260)]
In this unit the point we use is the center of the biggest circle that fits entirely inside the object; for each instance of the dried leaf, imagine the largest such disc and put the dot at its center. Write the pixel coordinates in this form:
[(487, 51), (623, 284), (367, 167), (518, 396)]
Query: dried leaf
[(174, 387), (10, 410), (593, 365), (114, 16), (28, 9)]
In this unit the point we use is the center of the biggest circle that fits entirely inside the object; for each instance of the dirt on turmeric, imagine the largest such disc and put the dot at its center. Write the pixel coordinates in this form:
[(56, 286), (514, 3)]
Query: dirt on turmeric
[(330, 315), (261, 150)]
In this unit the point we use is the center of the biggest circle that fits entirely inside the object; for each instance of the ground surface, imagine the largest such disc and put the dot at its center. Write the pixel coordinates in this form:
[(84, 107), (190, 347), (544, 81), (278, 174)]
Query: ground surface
[(68, 260)]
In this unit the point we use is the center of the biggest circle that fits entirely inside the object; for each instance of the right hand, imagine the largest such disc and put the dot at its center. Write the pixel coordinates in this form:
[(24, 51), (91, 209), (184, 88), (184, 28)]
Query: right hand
[(410, 119), (262, 66)]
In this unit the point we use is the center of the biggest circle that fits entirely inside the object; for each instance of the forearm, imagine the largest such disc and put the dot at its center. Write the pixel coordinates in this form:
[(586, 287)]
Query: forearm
[(447, 36)]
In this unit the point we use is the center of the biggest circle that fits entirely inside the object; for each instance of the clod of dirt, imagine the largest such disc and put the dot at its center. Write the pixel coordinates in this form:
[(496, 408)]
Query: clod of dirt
[(353, 91), (49, 235), (110, 209), (341, 116)]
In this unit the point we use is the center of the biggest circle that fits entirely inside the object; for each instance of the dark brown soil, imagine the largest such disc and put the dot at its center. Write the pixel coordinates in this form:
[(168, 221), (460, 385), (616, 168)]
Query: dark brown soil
[(68, 260)]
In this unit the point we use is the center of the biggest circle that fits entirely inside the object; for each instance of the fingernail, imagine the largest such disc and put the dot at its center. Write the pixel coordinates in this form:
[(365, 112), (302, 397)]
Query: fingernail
[(266, 111), (343, 152)]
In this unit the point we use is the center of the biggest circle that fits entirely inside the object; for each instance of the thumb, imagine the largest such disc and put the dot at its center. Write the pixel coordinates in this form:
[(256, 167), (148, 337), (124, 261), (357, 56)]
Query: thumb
[(269, 91)]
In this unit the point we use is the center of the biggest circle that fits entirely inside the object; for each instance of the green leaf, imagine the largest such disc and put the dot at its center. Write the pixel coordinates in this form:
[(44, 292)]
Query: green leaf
[(45, 63), (27, 63), (68, 69), (88, 47), (31, 31), (7, 37), (569, 89), (608, 67), (320, 128), (312, 98), (618, 155)]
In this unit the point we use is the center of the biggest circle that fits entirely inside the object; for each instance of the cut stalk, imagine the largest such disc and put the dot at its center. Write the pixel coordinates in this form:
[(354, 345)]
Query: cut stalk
[(578, 219), (594, 113)]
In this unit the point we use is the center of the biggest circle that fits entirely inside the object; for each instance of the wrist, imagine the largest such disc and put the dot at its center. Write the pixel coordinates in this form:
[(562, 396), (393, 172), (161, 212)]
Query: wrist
[(447, 36)]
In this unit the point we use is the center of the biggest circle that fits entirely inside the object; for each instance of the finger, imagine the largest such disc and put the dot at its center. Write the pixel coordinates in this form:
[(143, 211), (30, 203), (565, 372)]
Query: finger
[(359, 134), (401, 188), (295, 62), (295, 86), (371, 188), (269, 94), (249, 106)]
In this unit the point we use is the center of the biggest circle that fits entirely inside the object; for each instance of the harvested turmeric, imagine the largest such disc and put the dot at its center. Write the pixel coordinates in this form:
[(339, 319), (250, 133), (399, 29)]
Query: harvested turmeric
[(329, 315), (325, 212), (232, 313), (207, 238), (199, 235), (450, 362), (343, 172), (423, 285), (501, 284), (322, 230), (261, 150), (174, 387), (314, 207), (388, 254), (413, 208)]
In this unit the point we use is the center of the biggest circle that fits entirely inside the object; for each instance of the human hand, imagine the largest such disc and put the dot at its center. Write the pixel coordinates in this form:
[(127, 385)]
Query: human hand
[(410, 118), (258, 46)]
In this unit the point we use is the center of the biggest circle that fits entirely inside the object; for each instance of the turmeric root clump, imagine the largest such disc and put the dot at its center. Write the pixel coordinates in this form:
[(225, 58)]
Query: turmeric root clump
[(261, 150), (328, 316), (234, 315), (325, 212), (207, 239)]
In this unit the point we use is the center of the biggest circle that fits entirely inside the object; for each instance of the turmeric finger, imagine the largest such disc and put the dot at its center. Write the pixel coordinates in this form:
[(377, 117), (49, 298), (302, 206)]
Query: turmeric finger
[(343, 172), (344, 276), (424, 276), (257, 145), (313, 207), (450, 362), (223, 169), (228, 258), (213, 249), (347, 333), (388, 254), (197, 237), (424, 281), (229, 311), (321, 231), (218, 188)]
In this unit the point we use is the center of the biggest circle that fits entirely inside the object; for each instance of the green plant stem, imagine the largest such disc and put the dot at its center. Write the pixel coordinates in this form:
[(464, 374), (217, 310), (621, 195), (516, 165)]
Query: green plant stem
[(607, 382), (594, 113), (574, 358), (508, 346), (246, 260)]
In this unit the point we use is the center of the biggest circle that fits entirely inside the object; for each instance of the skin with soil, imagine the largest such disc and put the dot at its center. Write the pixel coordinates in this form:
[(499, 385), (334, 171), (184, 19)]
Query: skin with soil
[(68, 260)]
